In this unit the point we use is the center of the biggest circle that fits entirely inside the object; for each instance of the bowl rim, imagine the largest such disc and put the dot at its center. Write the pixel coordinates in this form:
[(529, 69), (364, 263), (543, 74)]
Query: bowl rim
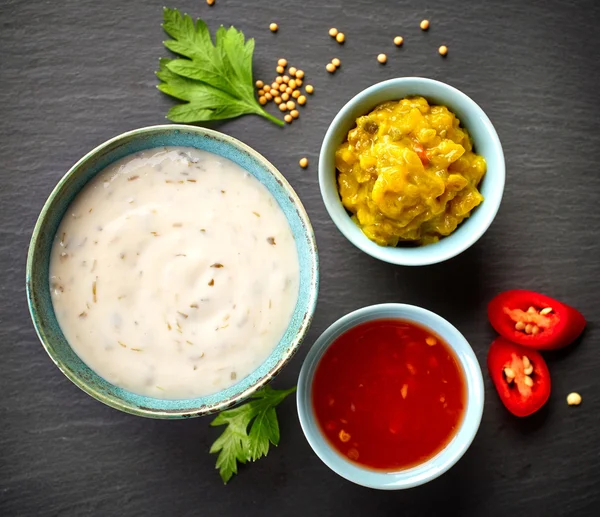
[(114, 401), (434, 466), (406, 256)]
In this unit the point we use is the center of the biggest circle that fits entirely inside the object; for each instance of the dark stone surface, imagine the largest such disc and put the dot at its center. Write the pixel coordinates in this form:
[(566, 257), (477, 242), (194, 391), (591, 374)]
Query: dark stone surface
[(77, 72)]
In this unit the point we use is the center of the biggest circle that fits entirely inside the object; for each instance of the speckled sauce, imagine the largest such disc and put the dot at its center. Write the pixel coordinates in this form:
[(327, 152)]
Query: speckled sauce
[(174, 273)]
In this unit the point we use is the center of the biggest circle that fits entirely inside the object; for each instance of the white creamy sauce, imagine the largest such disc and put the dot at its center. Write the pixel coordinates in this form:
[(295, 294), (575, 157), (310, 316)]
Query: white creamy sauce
[(174, 273)]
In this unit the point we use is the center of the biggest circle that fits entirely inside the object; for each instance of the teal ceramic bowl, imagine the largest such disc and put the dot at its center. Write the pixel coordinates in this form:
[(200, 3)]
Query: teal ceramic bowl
[(38, 289), (486, 143), (436, 465)]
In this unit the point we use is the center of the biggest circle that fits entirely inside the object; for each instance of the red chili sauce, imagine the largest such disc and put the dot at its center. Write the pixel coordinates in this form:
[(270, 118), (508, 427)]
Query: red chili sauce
[(389, 394)]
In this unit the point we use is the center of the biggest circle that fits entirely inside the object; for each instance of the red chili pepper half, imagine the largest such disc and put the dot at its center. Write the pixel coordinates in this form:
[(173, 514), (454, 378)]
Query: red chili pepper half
[(535, 320), (520, 375)]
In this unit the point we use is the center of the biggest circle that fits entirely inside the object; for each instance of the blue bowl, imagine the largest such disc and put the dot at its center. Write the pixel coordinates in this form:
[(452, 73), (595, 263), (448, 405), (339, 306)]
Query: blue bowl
[(486, 143), (436, 465), (38, 288)]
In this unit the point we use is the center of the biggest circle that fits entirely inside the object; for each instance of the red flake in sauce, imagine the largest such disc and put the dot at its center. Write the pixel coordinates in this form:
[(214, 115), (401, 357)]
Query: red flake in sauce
[(385, 398)]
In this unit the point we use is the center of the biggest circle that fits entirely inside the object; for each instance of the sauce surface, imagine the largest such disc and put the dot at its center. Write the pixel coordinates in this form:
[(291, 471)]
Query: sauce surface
[(408, 173), (388, 395), (174, 273)]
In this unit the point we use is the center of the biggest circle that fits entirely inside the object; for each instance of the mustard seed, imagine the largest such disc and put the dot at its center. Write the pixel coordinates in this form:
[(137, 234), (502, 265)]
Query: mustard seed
[(302, 100), (309, 88), (282, 62), (303, 162), (299, 74), (336, 62), (398, 40), (382, 58), (340, 38), (293, 71), (333, 32), (424, 25), (262, 100), (295, 113), (273, 27), (288, 118), (330, 68), (259, 84), (280, 70), (443, 50)]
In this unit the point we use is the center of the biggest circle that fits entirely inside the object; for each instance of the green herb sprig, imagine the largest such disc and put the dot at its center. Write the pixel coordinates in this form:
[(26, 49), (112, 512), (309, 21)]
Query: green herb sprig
[(251, 428), (215, 80)]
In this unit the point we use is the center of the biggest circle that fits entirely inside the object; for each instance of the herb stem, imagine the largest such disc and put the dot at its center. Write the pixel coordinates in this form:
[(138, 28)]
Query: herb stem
[(270, 117)]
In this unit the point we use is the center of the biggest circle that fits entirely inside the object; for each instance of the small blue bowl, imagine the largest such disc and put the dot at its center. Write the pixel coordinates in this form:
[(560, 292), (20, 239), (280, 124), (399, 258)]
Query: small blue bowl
[(38, 288), (433, 467), (486, 143)]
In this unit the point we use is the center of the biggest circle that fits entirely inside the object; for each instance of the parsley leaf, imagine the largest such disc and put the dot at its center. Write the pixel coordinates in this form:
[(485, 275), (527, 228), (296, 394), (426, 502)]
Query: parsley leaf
[(214, 80), (238, 445)]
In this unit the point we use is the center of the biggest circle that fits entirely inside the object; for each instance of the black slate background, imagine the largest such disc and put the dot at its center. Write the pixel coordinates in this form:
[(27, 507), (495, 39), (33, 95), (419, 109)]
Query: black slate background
[(77, 72)]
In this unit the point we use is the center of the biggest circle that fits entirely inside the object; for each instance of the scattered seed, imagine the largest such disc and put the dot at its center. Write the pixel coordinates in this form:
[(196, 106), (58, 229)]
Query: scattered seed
[(183, 314), (340, 38), (94, 291), (344, 436), (299, 75), (574, 399), (273, 27), (133, 178), (211, 283), (262, 100), (282, 107), (545, 311), (271, 241), (336, 62), (520, 325), (294, 113), (528, 381), (259, 84), (217, 265), (282, 62), (122, 344), (303, 162), (296, 94), (333, 32), (83, 315), (194, 305), (292, 71), (424, 25), (309, 88), (290, 105), (136, 349), (302, 100), (288, 118), (443, 50), (382, 58), (398, 40), (330, 67), (280, 70), (209, 2)]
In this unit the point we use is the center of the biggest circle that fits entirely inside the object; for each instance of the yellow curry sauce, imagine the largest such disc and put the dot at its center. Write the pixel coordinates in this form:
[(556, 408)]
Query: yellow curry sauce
[(408, 173)]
